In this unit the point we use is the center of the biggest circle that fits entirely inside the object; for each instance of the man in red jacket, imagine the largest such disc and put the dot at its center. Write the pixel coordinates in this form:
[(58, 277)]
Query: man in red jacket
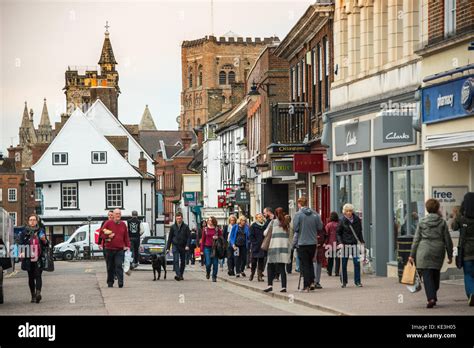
[(115, 234)]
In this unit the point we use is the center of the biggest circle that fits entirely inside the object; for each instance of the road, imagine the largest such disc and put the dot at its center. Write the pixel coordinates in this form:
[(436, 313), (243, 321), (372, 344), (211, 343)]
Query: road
[(80, 288)]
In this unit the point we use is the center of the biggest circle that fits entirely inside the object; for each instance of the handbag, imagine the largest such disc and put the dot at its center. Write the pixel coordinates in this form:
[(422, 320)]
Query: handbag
[(268, 237), (409, 274), (47, 260), (362, 248)]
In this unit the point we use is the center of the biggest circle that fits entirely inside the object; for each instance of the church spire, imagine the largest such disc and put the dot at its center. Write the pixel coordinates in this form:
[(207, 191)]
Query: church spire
[(45, 116), (25, 121), (107, 58), (147, 122)]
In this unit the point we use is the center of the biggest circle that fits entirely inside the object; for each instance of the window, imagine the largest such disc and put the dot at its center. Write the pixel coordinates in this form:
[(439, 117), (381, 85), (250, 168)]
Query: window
[(449, 17), (199, 83), (190, 80), (60, 158), (303, 73), (222, 78), (69, 196), (38, 193), (12, 197), (114, 194), (99, 157), (13, 217), (231, 77)]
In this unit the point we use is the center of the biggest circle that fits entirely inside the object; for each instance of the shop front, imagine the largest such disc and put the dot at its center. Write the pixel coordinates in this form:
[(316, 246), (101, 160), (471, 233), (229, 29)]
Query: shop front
[(376, 164), (448, 129)]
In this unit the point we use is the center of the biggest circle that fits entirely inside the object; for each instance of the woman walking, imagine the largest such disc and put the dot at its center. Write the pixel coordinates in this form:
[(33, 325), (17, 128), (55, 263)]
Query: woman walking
[(431, 242), (230, 250), (349, 235), (210, 233), (238, 239), (279, 249), (256, 239), (465, 224), (33, 241), (331, 245), (319, 260)]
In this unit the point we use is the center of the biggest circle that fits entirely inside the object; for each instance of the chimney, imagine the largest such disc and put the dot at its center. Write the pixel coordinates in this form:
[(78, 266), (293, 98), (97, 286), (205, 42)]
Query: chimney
[(142, 163), (186, 140), (200, 136)]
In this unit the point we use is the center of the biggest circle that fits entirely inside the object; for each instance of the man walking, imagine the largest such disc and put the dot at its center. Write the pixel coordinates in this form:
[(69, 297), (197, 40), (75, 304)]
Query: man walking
[(180, 237), (134, 233), (306, 224), (115, 234)]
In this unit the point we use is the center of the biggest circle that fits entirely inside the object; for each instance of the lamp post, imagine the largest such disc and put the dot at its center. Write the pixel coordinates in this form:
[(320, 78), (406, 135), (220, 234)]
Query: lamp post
[(89, 219)]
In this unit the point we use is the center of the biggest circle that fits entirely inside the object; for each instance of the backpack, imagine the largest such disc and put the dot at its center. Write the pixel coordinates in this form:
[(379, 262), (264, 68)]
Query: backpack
[(219, 248), (240, 238)]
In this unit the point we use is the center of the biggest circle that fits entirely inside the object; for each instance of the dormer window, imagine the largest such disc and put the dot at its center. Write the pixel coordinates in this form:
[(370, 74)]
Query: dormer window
[(99, 157)]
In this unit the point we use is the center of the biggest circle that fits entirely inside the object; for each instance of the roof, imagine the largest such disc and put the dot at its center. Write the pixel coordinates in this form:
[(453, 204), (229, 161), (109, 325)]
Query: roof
[(150, 139), (147, 122), (172, 150), (133, 129), (197, 161), (107, 55), (120, 142), (236, 116), (8, 165)]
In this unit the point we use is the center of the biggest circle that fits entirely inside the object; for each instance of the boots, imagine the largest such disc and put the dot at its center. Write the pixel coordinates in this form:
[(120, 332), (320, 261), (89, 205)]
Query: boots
[(252, 274), (33, 296), (38, 296)]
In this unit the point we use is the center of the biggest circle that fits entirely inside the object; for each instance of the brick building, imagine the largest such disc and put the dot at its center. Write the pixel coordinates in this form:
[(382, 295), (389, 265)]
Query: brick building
[(17, 190), (308, 48), (214, 71), (269, 76)]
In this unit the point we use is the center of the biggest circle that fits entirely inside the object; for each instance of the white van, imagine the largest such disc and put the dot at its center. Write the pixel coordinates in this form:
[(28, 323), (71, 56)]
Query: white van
[(81, 238)]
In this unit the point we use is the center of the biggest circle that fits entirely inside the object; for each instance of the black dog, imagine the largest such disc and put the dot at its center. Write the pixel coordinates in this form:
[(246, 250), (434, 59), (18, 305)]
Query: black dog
[(158, 261)]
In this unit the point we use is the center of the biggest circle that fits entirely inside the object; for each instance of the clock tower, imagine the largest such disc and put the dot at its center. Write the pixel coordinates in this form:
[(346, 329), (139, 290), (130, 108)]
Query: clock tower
[(84, 85)]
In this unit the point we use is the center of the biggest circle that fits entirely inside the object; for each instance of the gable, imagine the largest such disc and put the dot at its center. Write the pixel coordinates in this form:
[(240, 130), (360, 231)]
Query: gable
[(79, 138), (108, 125)]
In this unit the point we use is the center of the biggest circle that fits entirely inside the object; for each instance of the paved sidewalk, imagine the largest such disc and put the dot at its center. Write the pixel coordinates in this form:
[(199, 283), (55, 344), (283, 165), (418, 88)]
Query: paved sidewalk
[(378, 296)]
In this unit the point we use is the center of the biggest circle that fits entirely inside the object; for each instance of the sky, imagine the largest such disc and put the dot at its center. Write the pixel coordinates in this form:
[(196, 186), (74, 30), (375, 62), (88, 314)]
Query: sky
[(40, 39)]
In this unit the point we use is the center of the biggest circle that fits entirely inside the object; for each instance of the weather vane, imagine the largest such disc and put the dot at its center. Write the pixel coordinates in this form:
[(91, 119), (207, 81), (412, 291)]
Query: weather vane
[(107, 26)]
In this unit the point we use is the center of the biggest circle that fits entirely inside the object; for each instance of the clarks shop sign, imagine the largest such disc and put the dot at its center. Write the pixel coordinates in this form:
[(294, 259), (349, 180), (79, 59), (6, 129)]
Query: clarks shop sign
[(392, 131), (352, 138), (448, 100)]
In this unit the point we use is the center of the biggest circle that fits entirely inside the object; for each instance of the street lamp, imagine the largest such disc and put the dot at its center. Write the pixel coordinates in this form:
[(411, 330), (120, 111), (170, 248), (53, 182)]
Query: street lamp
[(89, 219)]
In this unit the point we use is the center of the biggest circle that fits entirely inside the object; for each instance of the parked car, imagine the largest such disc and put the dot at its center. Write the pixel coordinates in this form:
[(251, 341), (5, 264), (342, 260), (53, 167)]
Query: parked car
[(150, 246)]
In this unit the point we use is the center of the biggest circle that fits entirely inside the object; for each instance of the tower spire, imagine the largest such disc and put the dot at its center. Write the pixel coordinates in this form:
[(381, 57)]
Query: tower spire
[(44, 129), (45, 115), (147, 122), (25, 121), (107, 58)]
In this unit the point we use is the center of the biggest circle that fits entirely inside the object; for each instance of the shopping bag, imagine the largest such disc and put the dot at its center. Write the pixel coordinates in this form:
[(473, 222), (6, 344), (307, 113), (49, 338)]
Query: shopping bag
[(409, 274), (127, 261), (417, 286), (197, 252)]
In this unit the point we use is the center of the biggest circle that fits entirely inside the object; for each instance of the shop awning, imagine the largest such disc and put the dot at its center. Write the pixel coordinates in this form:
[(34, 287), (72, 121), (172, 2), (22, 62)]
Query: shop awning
[(450, 140)]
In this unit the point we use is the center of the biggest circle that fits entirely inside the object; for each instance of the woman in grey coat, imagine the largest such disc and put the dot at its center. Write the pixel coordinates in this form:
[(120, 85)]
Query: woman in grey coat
[(431, 242)]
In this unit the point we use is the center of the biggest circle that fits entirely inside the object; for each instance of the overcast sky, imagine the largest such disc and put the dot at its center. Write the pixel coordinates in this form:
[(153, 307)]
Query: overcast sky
[(40, 39)]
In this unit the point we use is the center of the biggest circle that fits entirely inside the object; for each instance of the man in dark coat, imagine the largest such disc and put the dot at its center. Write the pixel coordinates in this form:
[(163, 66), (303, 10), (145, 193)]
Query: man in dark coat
[(258, 254), (180, 239), (134, 233)]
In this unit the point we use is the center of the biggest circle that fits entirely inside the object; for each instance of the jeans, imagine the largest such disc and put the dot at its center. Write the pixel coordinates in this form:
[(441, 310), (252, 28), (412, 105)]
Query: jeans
[(240, 260), (468, 267), (337, 265), (273, 269), (115, 266), (179, 260), (431, 278), (350, 250), (230, 260), (35, 281), (317, 272), (190, 255), (297, 258), (134, 247), (306, 254), (214, 261), (257, 263)]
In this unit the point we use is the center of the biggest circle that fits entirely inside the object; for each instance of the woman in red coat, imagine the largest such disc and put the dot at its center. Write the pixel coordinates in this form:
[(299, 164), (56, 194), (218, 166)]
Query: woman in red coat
[(331, 244)]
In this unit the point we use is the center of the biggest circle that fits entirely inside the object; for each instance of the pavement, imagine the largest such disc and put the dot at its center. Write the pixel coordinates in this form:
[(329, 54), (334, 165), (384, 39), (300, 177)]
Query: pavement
[(79, 288), (378, 296)]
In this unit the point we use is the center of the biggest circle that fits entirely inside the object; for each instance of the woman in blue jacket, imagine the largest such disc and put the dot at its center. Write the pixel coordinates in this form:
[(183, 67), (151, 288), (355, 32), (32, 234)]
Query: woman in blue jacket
[(239, 239)]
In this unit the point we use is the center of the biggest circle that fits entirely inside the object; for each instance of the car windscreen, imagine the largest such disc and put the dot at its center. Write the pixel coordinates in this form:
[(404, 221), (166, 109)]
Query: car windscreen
[(157, 241)]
